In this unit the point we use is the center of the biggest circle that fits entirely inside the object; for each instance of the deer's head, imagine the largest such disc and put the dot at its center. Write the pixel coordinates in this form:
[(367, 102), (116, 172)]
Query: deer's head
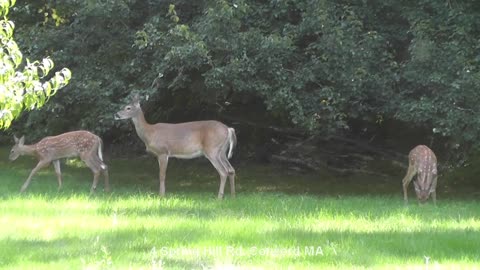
[(16, 149), (131, 110), (423, 185)]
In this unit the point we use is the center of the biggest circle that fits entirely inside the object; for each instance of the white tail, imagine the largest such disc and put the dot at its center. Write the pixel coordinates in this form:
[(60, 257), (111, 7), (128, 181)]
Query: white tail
[(422, 162), (83, 144), (100, 155), (211, 139), (232, 139)]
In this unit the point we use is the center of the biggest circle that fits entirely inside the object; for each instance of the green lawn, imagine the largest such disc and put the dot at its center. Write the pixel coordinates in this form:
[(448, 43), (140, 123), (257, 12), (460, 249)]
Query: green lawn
[(278, 220)]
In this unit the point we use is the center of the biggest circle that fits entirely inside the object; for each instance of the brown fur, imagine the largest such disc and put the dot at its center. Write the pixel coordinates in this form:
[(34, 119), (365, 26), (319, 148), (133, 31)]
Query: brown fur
[(211, 139), (423, 164), (83, 144)]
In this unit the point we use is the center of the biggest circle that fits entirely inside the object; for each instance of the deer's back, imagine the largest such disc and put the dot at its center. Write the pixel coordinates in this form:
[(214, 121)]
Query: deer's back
[(189, 137), (186, 130), (424, 161), (67, 144), (422, 157)]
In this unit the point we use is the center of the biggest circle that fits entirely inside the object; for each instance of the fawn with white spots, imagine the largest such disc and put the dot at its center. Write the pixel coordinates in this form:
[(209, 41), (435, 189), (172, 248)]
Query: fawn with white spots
[(83, 144), (211, 139), (423, 164)]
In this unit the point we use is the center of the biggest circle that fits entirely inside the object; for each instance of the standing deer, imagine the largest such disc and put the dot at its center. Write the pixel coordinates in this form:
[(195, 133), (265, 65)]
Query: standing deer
[(83, 144), (423, 164), (188, 140)]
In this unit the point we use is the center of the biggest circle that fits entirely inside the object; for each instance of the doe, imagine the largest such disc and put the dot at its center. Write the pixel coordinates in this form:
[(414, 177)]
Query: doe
[(211, 139)]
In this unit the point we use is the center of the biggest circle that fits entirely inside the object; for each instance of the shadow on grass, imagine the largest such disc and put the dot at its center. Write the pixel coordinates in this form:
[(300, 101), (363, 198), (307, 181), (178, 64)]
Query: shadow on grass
[(198, 175), (339, 248), (274, 206), (279, 206)]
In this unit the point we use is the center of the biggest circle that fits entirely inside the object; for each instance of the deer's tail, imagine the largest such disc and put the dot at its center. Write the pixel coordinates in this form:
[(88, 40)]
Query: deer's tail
[(100, 154), (100, 146), (232, 140)]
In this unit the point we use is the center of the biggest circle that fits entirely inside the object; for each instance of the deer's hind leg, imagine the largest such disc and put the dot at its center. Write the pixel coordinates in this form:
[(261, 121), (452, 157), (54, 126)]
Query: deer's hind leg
[(216, 161), (222, 157), (58, 172), (104, 170), (94, 166), (231, 175), (106, 180)]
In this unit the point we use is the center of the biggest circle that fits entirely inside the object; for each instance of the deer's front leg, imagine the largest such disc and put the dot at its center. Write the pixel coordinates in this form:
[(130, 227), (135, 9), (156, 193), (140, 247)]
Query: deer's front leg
[(434, 192), (406, 180), (56, 165), (41, 164), (162, 164)]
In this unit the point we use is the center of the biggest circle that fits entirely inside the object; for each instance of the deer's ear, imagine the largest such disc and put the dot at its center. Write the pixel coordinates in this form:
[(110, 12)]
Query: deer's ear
[(15, 139), (136, 99), (22, 140)]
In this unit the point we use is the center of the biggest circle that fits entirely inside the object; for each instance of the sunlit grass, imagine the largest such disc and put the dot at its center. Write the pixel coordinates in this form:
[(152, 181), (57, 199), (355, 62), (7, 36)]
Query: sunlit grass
[(266, 230), (132, 228)]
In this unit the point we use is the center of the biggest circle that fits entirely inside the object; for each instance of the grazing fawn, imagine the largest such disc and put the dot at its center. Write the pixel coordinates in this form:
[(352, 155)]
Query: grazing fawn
[(423, 164), (211, 139), (83, 144)]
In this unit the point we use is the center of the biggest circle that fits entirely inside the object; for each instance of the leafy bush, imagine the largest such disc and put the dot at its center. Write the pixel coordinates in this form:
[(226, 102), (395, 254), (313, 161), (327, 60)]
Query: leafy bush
[(314, 65), (22, 89)]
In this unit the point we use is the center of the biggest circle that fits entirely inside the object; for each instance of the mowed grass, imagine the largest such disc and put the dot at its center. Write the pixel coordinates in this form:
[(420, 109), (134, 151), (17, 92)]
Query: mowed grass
[(279, 220)]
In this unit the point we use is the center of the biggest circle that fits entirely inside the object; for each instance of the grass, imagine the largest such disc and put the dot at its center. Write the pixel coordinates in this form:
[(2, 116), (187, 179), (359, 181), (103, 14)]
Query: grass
[(279, 220)]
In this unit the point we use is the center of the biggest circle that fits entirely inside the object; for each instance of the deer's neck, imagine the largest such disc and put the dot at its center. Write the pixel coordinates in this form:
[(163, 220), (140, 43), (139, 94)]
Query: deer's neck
[(142, 127), (28, 150)]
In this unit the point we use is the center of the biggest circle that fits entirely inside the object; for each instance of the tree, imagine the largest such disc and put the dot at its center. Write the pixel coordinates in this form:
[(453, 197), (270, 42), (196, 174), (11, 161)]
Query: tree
[(317, 66), (22, 89)]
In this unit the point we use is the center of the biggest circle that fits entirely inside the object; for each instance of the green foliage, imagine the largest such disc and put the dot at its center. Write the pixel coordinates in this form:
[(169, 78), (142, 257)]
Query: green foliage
[(22, 89), (441, 76), (315, 65)]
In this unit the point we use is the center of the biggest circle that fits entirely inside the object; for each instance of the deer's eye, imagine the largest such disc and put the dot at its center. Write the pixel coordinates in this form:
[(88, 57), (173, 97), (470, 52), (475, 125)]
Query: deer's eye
[(128, 108)]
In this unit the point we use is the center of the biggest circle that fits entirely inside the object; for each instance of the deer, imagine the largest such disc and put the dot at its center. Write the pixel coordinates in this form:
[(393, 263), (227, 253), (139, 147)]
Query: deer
[(83, 144), (423, 164), (211, 139)]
